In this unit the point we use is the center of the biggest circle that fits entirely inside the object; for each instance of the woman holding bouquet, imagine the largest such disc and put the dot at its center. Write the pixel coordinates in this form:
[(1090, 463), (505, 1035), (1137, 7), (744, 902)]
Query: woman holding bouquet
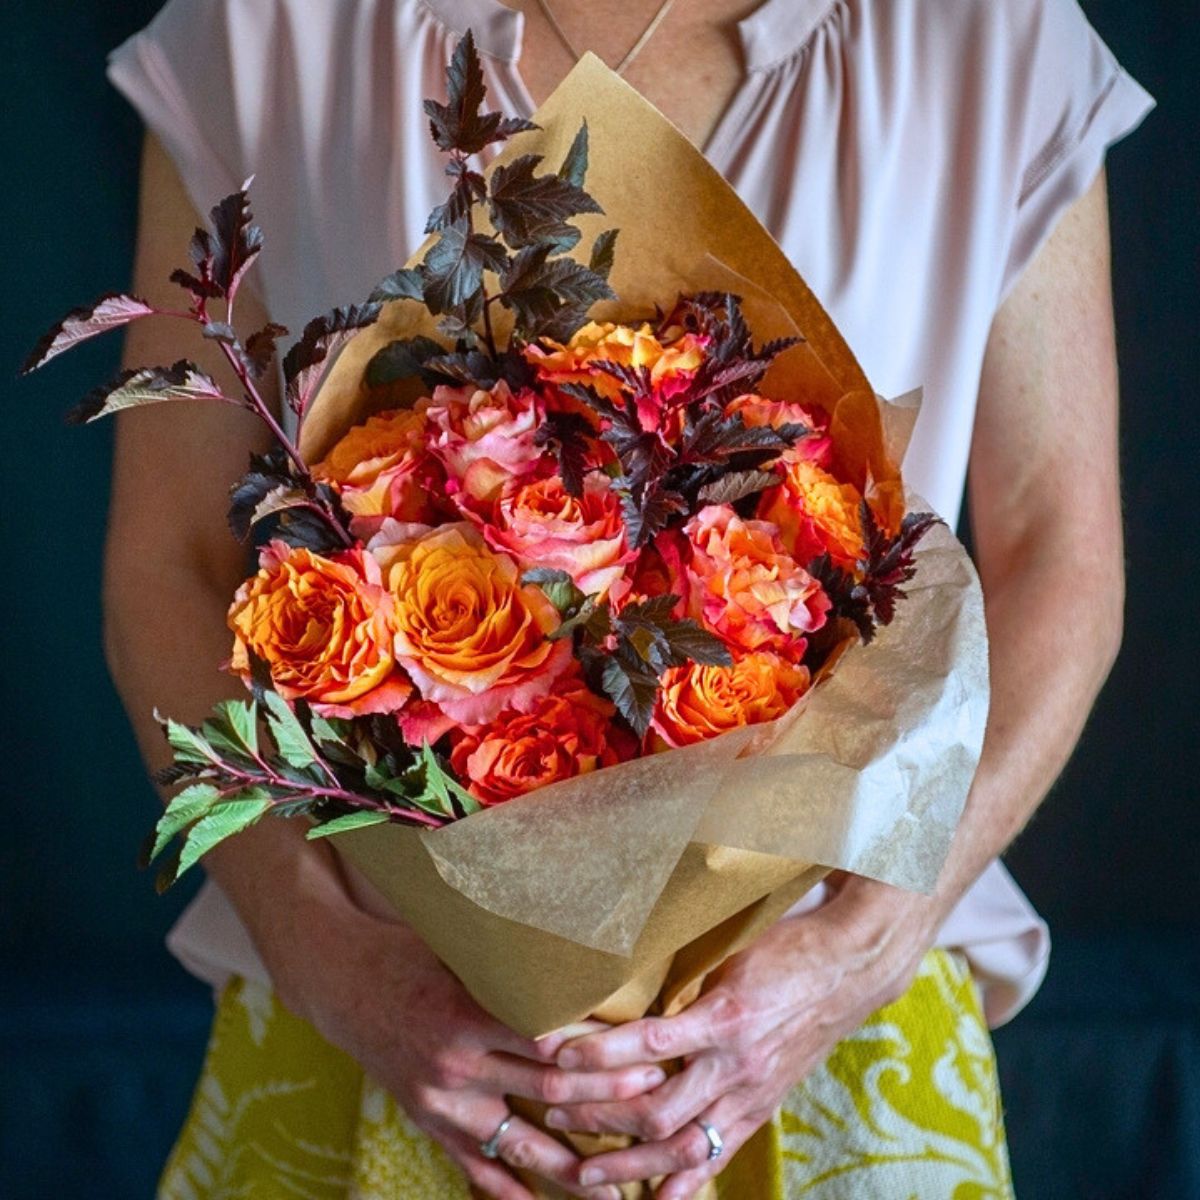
[(936, 173)]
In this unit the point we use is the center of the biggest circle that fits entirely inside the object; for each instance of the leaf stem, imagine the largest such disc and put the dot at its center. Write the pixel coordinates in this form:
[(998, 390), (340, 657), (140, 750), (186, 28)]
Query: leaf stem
[(355, 799)]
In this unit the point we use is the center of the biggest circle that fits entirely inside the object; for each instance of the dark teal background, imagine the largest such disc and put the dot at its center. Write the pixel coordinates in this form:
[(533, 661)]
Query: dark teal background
[(101, 1032)]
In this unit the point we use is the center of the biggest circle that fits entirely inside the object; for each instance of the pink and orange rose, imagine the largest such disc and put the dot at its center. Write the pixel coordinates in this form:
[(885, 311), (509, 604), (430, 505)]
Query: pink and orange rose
[(746, 588), (542, 525), (484, 439), (382, 468)]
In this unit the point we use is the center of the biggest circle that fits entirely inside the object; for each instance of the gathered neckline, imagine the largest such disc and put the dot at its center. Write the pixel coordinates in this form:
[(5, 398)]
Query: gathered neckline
[(770, 34)]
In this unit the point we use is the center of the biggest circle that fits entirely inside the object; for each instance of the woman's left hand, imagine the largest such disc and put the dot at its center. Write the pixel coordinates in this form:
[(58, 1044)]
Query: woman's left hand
[(768, 1017)]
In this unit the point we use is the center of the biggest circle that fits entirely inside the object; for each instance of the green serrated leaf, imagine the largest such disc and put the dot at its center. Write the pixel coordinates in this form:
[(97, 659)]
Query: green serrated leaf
[(444, 786), (189, 745), (223, 820), (239, 718), (354, 820), (185, 807), (291, 741)]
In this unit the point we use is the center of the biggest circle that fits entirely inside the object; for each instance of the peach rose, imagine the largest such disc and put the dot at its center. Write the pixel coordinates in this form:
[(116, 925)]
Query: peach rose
[(382, 468), (563, 735), (484, 439), (541, 525), (471, 637), (698, 702), (758, 410), (746, 587), (815, 514), (324, 626)]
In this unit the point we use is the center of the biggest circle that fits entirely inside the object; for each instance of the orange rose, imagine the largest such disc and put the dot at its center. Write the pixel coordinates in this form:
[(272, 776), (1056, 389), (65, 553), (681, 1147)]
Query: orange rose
[(697, 702), (472, 638), (564, 735), (815, 514), (323, 626), (603, 341), (541, 525), (746, 587)]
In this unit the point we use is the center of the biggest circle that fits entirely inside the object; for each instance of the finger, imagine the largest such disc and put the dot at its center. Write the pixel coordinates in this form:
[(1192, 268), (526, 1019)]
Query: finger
[(685, 1184), (683, 1151), (653, 1116), (492, 1178), (650, 1040), (526, 1148), (508, 1075)]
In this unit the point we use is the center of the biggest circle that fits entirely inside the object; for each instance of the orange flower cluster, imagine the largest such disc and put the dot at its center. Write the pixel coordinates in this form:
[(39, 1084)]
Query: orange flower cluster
[(433, 618)]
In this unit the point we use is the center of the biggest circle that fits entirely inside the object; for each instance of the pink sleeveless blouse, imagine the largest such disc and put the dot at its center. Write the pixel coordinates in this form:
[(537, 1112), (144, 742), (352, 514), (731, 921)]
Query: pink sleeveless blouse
[(910, 156)]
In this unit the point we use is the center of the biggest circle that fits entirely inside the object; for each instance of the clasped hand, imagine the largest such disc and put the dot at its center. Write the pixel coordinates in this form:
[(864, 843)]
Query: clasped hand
[(768, 1017)]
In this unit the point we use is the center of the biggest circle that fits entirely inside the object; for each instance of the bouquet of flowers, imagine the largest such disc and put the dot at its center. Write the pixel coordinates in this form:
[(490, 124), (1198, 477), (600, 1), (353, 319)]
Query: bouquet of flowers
[(572, 620)]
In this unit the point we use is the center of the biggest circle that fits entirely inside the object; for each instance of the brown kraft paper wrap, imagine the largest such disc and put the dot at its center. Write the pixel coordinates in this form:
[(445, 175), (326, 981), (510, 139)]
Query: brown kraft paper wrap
[(615, 893)]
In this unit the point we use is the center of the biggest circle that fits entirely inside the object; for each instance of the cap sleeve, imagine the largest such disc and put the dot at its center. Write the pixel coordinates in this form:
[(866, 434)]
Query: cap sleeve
[(1077, 101), (179, 74)]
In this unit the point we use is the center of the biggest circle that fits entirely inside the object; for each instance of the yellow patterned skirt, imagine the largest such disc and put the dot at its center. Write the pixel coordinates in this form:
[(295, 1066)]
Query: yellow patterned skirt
[(908, 1107)]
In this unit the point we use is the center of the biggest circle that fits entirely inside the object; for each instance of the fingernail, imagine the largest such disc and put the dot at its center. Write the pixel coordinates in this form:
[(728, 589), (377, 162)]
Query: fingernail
[(556, 1119), (590, 1175), (570, 1059), (655, 1077)]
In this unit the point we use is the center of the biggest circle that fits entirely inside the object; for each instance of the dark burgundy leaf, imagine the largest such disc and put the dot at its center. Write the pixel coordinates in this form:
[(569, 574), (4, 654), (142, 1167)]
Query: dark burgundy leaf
[(401, 359), (404, 284), (236, 240), (687, 641), (147, 385), (731, 488), (848, 598), (259, 349), (110, 311), (468, 188), (303, 365), (458, 125), (633, 692), (267, 472), (527, 208), (453, 269), (603, 249), (574, 166), (567, 435)]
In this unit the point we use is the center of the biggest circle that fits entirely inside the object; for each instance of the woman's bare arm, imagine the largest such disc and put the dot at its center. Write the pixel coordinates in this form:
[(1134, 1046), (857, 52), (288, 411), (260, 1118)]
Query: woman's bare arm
[(171, 566), (370, 987), (1045, 502)]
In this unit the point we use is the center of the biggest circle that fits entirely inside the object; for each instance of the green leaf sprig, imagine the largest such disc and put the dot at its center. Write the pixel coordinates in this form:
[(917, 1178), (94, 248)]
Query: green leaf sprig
[(308, 764)]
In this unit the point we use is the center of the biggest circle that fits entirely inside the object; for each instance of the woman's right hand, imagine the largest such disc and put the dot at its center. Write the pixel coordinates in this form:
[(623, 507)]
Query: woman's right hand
[(375, 990)]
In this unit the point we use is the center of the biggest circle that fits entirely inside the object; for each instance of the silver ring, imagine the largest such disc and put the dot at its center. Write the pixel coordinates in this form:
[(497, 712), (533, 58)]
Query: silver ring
[(716, 1146), (491, 1148)]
